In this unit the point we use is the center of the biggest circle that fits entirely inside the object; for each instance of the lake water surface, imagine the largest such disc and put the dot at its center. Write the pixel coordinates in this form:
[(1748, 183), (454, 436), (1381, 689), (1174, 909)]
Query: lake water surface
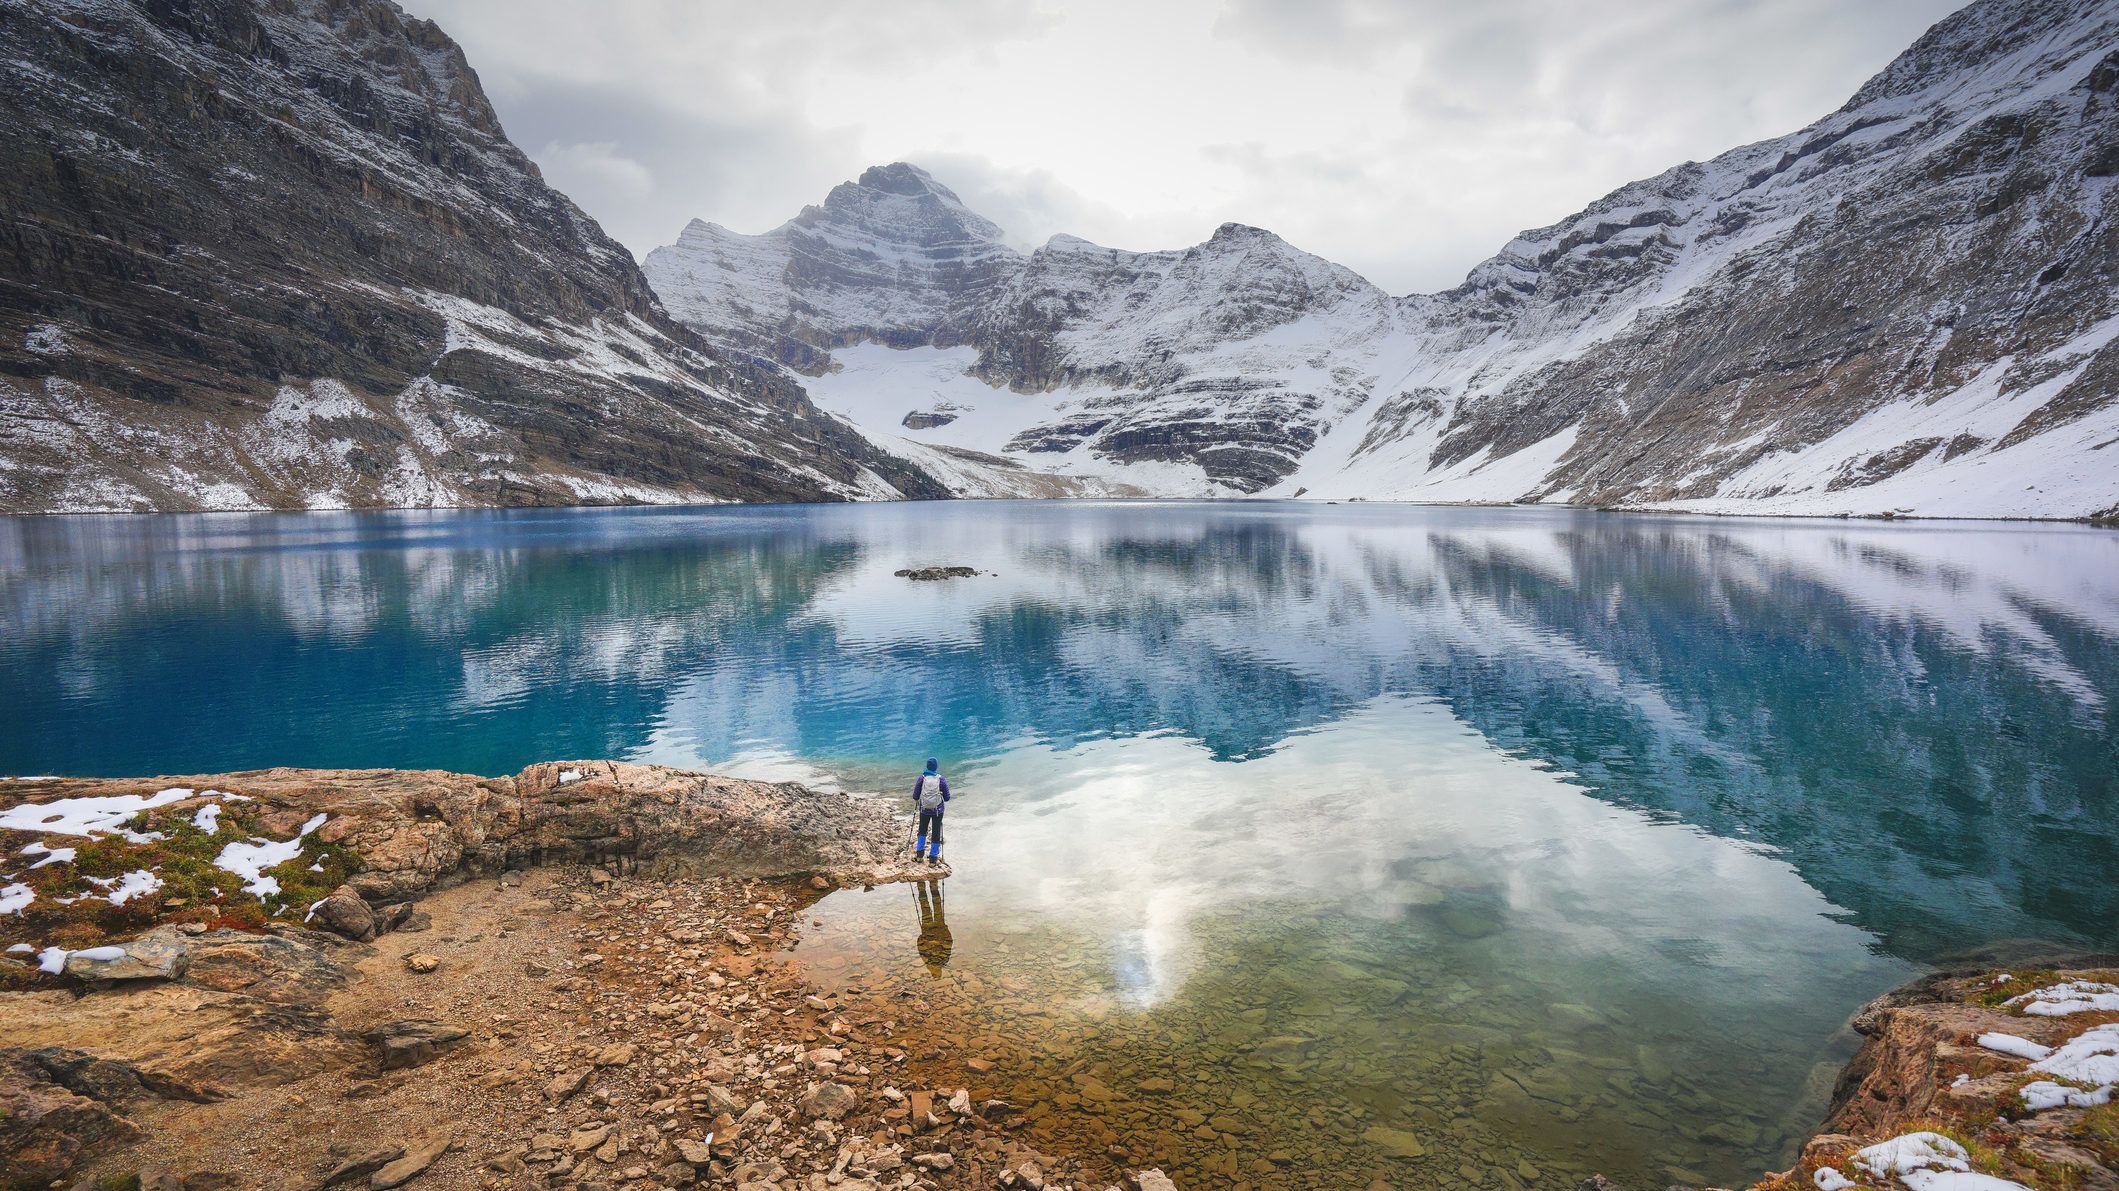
[(1290, 840)]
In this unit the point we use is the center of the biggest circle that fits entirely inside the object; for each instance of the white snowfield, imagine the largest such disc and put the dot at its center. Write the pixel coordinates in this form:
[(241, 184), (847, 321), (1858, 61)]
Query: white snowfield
[(1149, 372)]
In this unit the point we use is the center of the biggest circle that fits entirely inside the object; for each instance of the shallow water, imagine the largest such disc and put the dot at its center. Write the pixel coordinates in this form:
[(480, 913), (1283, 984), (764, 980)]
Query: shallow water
[(1554, 840)]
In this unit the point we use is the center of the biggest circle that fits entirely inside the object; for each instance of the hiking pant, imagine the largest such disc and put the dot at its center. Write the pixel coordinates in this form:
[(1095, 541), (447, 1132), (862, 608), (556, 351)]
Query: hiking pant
[(930, 825)]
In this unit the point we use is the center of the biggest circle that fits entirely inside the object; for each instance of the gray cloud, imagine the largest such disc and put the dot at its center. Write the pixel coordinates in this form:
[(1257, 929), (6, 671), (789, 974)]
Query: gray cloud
[(1407, 139)]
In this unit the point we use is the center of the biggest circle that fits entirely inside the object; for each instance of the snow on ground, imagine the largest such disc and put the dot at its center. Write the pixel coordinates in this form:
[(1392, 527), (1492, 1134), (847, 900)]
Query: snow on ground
[(2010, 1044), (51, 855), (1925, 1162), (2064, 472), (2075, 996), (53, 959), (874, 387), (2087, 1063), (2091, 1057), (137, 883), (15, 898), (208, 818), (250, 858), (97, 815)]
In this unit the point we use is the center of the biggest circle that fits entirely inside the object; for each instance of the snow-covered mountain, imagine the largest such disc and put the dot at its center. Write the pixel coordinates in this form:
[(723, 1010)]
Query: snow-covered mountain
[(1907, 307), (280, 254)]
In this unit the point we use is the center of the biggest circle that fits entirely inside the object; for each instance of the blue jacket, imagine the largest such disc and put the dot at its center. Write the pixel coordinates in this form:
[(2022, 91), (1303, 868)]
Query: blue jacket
[(945, 791)]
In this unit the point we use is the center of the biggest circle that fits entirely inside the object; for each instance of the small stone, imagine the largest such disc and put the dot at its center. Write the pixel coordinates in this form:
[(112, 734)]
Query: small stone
[(1526, 1171), (980, 1066), (1153, 1180), (361, 1167), (421, 962), (566, 1083), (617, 1055), (1399, 1143), (416, 1159), (696, 1152), (583, 1140), (934, 1161), (829, 1101)]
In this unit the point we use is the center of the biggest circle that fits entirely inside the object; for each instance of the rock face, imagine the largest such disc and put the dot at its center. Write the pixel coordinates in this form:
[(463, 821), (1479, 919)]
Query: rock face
[(283, 255), (1907, 306), (58, 1105)]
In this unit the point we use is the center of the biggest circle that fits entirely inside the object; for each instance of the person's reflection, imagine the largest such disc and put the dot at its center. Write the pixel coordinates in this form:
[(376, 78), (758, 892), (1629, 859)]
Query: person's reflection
[(934, 941)]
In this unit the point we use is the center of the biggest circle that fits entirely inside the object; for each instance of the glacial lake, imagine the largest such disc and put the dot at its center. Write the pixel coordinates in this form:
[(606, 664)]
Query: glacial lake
[(1294, 845)]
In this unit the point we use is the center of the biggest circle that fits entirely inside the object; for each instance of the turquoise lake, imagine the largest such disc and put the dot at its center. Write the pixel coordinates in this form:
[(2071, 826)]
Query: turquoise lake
[(1559, 840)]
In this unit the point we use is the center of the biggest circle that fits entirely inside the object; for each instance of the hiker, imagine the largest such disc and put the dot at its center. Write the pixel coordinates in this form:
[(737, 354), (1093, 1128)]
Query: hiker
[(930, 794)]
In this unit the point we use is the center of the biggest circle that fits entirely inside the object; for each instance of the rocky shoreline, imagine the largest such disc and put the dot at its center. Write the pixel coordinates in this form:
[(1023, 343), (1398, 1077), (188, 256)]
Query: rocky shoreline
[(573, 978), (550, 980)]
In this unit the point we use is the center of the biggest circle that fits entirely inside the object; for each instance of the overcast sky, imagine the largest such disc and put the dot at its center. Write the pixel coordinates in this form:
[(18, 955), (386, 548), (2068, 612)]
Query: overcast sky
[(1408, 140)]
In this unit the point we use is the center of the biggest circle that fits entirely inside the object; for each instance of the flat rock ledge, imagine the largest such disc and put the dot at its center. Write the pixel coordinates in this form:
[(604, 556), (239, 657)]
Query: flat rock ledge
[(418, 830)]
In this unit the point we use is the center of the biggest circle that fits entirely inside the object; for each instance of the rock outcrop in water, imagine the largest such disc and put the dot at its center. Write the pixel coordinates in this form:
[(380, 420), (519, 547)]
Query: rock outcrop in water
[(2004, 1073), (268, 254), (1906, 307)]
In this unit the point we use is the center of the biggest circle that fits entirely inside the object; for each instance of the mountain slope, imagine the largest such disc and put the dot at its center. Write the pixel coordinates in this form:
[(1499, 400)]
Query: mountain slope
[(1906, 307), (283, 255)]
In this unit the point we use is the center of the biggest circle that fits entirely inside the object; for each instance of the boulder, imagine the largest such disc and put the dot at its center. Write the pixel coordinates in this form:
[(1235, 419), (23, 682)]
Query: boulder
[(157, 955), (347, 913), (411, 1042)]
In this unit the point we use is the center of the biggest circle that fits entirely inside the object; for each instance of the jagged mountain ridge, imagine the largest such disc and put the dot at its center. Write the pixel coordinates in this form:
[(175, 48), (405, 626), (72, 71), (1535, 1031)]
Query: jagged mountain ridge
[(280, 253), (1906, 307)]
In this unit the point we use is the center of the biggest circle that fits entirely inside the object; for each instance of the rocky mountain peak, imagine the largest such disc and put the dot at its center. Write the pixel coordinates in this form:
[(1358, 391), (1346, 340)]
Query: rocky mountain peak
[(902, 204), (903, 177)]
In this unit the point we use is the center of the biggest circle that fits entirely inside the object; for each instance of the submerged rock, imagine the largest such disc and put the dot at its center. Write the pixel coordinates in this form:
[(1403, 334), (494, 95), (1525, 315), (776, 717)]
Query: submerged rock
[(928, 574)]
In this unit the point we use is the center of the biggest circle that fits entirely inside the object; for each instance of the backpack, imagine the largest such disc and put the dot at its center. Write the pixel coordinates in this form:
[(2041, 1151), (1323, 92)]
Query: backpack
[(929, 798)]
